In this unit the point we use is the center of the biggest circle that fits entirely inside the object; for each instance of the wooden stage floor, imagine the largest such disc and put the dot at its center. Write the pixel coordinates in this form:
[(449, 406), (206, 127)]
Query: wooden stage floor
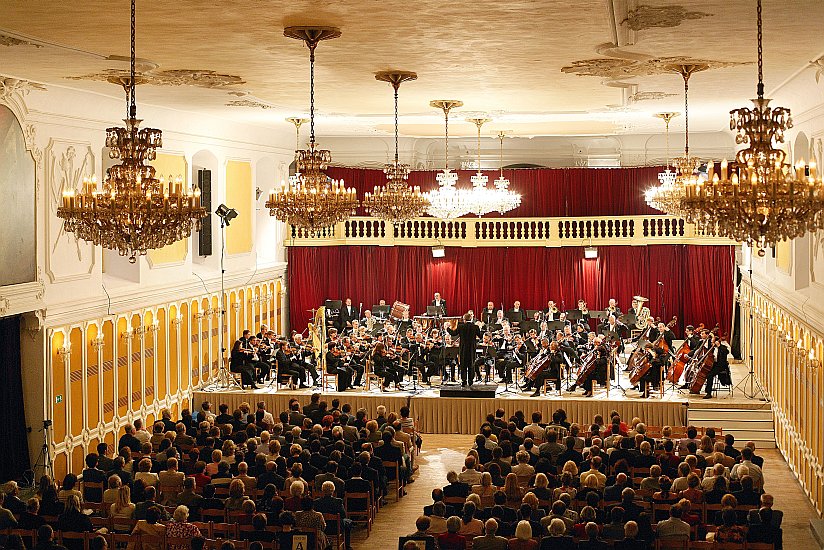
[(460, 415)]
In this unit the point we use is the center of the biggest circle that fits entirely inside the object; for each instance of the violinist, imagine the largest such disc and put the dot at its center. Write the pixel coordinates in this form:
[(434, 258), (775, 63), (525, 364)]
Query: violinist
[(720, 364), (532, 342), (386, 367), (582, 335), (304, 356), (287, 366), (545, 332), (511, 354), (241, 360), (499, 321), (355, 360), (267, 346), (336, 366), (658, 360)]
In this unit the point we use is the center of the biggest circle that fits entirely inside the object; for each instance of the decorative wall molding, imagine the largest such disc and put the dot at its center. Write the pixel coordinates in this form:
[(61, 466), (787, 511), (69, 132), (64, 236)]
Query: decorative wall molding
[(647, 17), (67, 163), (8, 40), (14, 86), (21, 298)]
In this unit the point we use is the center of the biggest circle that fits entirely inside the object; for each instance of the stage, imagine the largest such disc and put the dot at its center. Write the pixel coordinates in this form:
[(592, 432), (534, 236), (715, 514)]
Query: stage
[(460, 415)]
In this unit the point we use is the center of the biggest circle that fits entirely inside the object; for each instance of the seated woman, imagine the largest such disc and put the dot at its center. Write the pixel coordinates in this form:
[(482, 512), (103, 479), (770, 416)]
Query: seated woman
[(728, 531), (485, 487), (451, 540), (541, 489), (523, 538), (471, 527), (74, 520), (386, 367), (122, 508), (512, 490), (151, 528)]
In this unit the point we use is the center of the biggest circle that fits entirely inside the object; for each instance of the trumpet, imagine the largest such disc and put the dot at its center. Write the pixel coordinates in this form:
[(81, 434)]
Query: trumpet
[(554, 308)]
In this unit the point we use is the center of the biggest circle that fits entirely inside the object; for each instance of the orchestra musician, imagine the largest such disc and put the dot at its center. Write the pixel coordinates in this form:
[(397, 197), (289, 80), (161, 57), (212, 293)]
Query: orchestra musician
[(356, 355), (499, 321), (336, 366), (545, 332), (263, 330), (582, 307), (553, 371), (439, 302), (551, 312), (267, 346), (720, 365), (600, 373), (487, 358), (348, 313), (241, 360), (421, 357), (516, 315), (510, 354), (665, 332), (304, 356), (693, 340), (386, 367), (468, 332), (288, 366), (613, 308), (489, 314), (658, 360)]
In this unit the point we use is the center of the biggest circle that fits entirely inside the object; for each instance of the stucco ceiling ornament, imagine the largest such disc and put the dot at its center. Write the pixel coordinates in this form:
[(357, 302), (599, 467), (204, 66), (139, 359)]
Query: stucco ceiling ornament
[(7, 40), (613, 68), (252, 103), (200, 78), (647, 17), (10, 86), (818, 64), (649, 96)]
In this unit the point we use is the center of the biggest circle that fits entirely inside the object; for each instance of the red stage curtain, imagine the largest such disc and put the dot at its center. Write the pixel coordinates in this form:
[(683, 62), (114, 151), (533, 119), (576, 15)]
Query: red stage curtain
[(546, 192), (697, 280)]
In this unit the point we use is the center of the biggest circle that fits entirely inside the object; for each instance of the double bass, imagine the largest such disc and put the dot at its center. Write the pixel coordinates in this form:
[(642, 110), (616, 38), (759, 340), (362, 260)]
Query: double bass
[(587, 367), (643, 364), (682, 357), (536, 366), (701, 364)]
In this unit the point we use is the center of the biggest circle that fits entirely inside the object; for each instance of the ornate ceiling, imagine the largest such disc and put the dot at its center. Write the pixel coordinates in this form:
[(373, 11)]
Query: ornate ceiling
[(538, 67)]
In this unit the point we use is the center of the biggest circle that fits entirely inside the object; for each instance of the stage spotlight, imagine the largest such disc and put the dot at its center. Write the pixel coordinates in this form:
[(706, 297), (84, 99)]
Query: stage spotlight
[(590, 253), (438, 252), (226, 214)]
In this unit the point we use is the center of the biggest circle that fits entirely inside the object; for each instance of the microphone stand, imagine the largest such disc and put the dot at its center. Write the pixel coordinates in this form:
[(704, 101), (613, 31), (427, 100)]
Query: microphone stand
[(661, 300)]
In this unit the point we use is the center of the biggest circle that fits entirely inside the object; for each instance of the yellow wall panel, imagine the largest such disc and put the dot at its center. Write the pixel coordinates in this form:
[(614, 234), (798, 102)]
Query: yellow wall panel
[(240, 196), (784, 256), (136, 363), (173, 329), (60, 466), (174, 165), (92, 378), (58, 400), (122, 364), (186, 328), (162, 353), (107, 374), (75, 397)]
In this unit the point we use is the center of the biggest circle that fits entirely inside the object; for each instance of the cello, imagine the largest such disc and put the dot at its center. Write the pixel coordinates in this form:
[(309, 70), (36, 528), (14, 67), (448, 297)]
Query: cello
[(682, 357), (696, 372)]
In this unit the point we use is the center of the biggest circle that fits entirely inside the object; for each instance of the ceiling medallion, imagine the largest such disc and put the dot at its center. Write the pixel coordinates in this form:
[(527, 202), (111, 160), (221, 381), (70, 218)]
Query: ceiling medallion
[(134, 211), (614, 68), (759, 199), (649, 96), (446, 201), (396, 202), (200, 78), (310, 200)]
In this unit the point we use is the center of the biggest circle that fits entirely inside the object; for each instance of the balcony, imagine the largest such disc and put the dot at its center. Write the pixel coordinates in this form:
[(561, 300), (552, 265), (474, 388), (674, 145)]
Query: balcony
[(497, 232)]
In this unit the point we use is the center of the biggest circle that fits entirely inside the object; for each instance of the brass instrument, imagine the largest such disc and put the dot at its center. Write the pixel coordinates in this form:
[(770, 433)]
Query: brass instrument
[(642, 314)]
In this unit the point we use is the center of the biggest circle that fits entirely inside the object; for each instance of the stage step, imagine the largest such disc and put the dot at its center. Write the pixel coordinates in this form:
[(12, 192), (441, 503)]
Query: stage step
[(745, 424)]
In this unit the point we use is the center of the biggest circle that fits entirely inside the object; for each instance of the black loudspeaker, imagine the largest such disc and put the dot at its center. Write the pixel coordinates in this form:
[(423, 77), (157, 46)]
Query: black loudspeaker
[(204, 236), (478, 391)]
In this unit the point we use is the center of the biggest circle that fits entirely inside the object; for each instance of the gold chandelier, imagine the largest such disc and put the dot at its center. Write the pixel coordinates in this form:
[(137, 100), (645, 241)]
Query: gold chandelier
[(668, 197), (311, 201), (134, 211), (396, 202), (760, 199)]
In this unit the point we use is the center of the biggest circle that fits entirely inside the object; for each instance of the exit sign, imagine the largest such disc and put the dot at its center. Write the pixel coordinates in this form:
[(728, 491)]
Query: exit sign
[(59, 398)]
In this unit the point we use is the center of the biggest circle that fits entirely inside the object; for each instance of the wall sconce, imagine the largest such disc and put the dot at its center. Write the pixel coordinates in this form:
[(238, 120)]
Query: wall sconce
[(177, 320), (97, 343), (153, 327), (235, 306), (127, 334), (814, 362), (64, 352), (198, 316)]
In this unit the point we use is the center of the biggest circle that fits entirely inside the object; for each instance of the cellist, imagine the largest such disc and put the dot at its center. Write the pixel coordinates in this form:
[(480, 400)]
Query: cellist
[(658, 359), (600, 372), (720, 364)]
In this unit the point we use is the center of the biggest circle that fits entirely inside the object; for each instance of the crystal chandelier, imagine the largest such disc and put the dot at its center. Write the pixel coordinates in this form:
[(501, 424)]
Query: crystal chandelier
[(447, 202), (396, 202), (311, 201), (483, 198), (507, 200), (669, 195), (294, 179), (760, 199), (134, 211)]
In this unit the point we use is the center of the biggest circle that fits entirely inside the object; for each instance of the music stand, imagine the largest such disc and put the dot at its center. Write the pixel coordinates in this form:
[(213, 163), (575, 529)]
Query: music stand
[(526, 326), (610, 336), (434, 311), (599, 314), (382, 312), (555, 325), (574, 315)]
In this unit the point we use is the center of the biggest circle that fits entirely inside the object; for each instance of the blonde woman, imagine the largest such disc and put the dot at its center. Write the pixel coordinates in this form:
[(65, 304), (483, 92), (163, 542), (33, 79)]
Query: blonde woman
[(567, 486), (145, 474), (211, 468), (512, 490), (122, 508), (523, 537), (229, 451), (485, 487)]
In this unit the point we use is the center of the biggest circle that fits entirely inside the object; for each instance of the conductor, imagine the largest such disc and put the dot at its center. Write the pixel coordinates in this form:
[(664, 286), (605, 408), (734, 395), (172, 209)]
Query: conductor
[(468, 332)]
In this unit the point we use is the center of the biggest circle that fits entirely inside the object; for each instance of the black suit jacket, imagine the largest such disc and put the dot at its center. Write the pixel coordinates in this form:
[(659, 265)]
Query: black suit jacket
[(346, 316), (442, 304), (468, 333)]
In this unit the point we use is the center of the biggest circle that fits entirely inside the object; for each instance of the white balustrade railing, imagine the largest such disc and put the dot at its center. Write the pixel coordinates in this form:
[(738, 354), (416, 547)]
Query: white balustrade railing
[(474, 232)]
